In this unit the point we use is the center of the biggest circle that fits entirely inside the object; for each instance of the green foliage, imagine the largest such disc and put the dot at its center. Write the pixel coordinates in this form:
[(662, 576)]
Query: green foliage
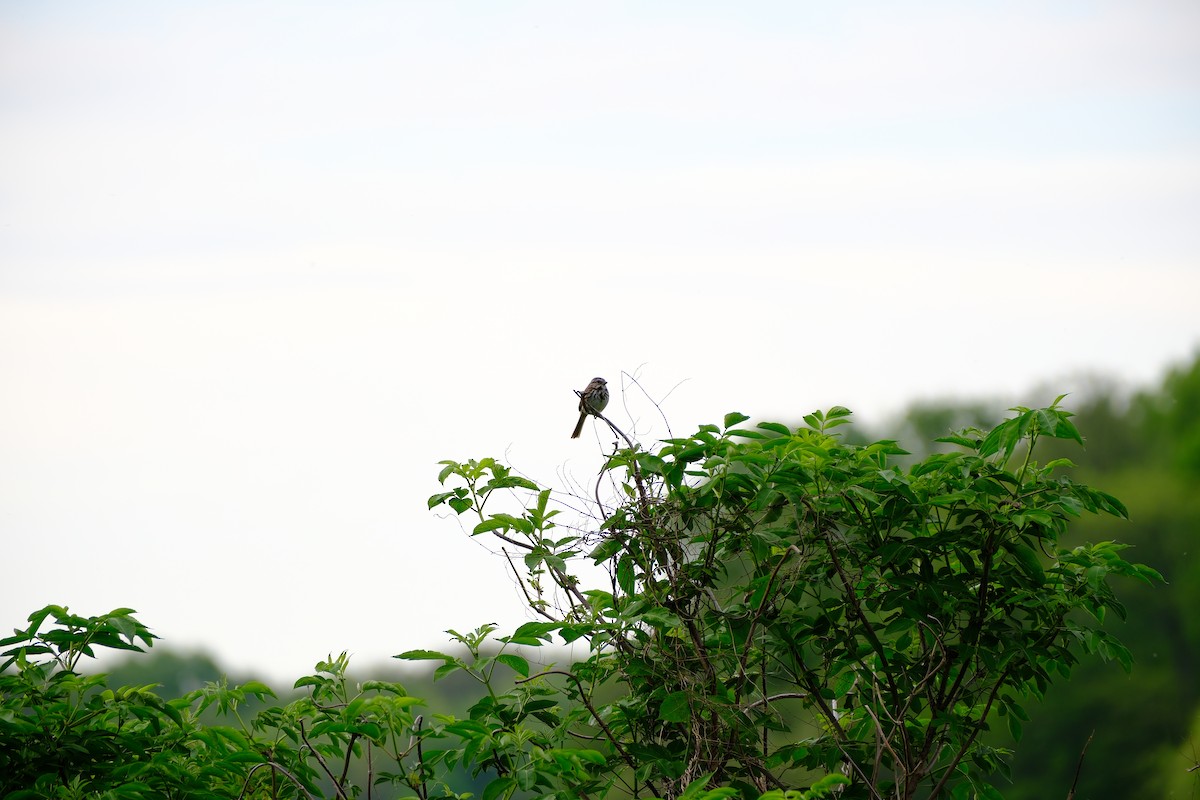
[(783, 605), (770, 612), (1137, 450), (66, 735), (1170, 418), (58, 728)]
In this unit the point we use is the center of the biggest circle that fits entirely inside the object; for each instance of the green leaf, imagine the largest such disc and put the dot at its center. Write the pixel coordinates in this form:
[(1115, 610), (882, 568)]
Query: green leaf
[(38, 617), (960, 439), (256, 688), (744, 433), (1027, 557), (775, 427), (625, 575), (438, 499), (1014, 727), (533, 632), (843, 684), (423, 655), (512, 482), (498, 788), (1112, 505), (760, 584), (651, 464), (515, 662), (1147, 574), (734, 418), (446, 669), (1037, 515), (675, 707), (827, 784), (606, 549), (497, 522), (1056, 423), (1003, 439), (838, 415), (953, 498), (570, 633)]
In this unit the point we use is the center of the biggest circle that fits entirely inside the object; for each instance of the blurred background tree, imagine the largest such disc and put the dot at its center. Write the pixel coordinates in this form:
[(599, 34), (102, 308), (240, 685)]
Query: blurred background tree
[(1145, 449)]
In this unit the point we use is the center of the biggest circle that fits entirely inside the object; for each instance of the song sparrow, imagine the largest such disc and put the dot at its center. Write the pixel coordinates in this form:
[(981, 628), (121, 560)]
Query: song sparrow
[(592, 400)]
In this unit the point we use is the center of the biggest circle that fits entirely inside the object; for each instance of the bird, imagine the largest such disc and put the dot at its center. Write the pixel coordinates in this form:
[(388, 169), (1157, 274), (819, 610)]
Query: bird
[(592, 400)]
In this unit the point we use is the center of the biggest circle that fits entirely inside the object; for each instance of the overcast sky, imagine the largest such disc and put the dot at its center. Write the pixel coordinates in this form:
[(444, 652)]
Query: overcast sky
[(263, 265)]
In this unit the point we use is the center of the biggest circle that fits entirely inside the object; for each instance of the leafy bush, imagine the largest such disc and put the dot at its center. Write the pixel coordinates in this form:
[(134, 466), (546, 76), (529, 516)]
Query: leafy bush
[(774, 613), (782, 605)]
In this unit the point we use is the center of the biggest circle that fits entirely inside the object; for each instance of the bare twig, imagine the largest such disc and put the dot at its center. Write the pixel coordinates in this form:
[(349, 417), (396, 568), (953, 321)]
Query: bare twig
[(633, 379), (1079, 766), (617, 430)]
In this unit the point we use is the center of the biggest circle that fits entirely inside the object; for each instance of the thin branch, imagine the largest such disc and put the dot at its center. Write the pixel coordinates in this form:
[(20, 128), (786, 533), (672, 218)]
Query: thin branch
[(1079, 766), (567, 586), (349, 753), (882, 741), (633, 379), (745, 656), (962, 750), (615, 429), (278, 768), (643, 498), (850, 592), (535, 605), (596, 494), (513, 542), (337, 786), (421, 757), (774, 697), (897, 724), (836, 725), (762, 675), (701, 653)]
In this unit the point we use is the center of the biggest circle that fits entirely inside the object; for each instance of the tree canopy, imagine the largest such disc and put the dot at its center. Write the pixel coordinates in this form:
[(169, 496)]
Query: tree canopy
[(777, 612)]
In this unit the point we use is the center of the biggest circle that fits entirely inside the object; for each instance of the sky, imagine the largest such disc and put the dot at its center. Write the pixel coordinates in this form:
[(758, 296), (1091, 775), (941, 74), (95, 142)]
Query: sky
[(263, 265)]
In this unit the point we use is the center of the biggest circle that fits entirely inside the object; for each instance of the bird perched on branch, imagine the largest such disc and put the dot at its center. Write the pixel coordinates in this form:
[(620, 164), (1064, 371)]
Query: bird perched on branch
[(592, 400)]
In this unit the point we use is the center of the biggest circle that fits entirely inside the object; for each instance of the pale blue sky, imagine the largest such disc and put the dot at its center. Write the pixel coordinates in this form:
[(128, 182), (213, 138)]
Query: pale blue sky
[(263, 264)]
